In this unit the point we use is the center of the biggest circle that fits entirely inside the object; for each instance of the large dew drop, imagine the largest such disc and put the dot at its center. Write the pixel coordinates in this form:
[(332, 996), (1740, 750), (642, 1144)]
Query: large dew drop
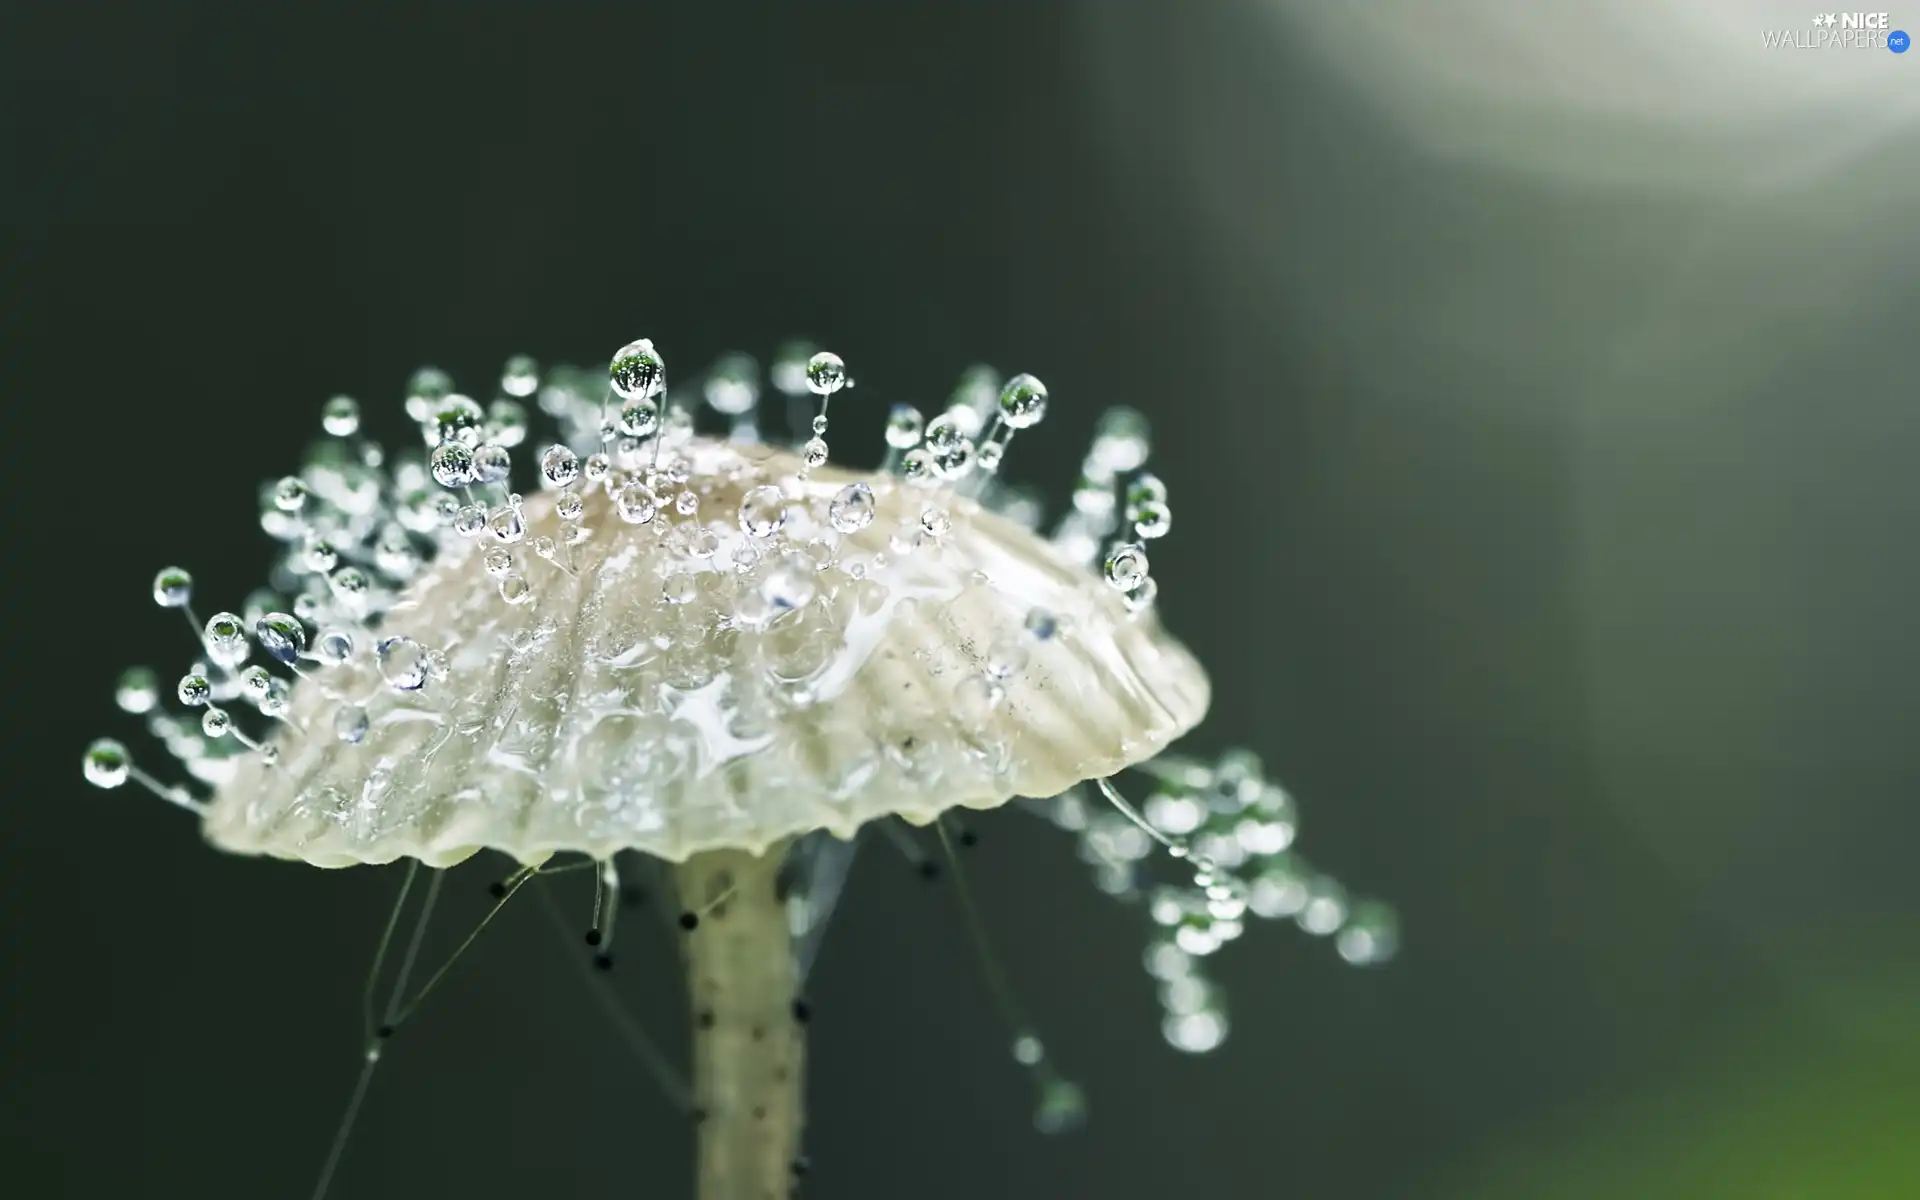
[(852, 510)]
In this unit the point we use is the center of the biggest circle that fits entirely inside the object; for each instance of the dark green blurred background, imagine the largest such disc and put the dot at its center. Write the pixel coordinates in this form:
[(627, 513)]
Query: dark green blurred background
[(1536, 390)]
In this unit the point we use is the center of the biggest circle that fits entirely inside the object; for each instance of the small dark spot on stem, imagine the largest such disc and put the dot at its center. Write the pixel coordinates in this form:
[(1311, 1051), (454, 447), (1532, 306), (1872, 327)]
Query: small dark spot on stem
[(384, 1032), (969, 838), (497, 890), (593, 937), (759, 1112), (689, 921), (603, 962), (705, 1019), (802, 1011), (801, 1165), (929, 869)]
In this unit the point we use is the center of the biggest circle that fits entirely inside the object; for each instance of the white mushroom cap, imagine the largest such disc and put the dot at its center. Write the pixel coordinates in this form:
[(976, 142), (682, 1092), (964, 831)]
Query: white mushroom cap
[(657, 690)]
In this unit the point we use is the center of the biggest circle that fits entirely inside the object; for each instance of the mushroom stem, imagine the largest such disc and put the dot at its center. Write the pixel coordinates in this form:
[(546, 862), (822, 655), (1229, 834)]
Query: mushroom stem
[(748, 1044)]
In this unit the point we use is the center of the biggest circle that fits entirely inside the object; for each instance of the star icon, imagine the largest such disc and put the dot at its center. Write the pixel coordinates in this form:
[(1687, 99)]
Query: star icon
[(1823, 19)]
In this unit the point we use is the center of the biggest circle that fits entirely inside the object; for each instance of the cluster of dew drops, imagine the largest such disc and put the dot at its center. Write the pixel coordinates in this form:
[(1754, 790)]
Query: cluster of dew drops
[(357, 527), (1236, 828)]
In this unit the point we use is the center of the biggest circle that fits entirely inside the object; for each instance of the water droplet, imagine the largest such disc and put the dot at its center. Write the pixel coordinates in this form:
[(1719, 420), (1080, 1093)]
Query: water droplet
[(936, 521), (597, 467), (637, 371), (1120, 441), (491, 463), (1126, 566), (703, 543), (321, 556), (989, 456), (568, 506), (904, 427), (1371, 935), (515, 589), (635, 503), (497, 562), (916, 467), (507, 524), (1028, 1050), (341, 416), (138, 690), (107, 763), (826, 374), (350, 724), (559, 466), (289, 495), (403, 663), (281, 636), (1143, 595), (225, 637), (427, 387), (1023, 402), (853, 508), (255, 682), (1326, 908), (521, 376), (333, 646), (639, 419), (789, 583), (1146, 488), (351, 589), (452, 465), (469, 520), (216, 722), (458, 419), (954, 461), (686, 504), (1195, 1032), (814, 452), (1152, 519), (172, 588), (732, 385), (679, 588), (194, 690), (763, 511), (945, 432)]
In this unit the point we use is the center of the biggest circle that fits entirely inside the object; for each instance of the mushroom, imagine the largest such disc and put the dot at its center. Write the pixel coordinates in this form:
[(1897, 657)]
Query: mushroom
[(711, 651)]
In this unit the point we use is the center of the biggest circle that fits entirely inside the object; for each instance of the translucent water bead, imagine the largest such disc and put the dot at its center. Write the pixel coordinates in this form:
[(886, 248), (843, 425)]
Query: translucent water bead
[(904, 427), (1023, 402), (1126, 566), (826, 374), (172, 588), (732, 386), (852, 509), (763, 511), (138, 690), (520, 377), (637, 371), (341, 416), (107, 763)]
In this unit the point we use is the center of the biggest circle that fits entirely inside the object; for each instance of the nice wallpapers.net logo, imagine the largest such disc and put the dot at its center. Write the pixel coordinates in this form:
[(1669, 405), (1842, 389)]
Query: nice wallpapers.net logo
[(1841, 31)]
